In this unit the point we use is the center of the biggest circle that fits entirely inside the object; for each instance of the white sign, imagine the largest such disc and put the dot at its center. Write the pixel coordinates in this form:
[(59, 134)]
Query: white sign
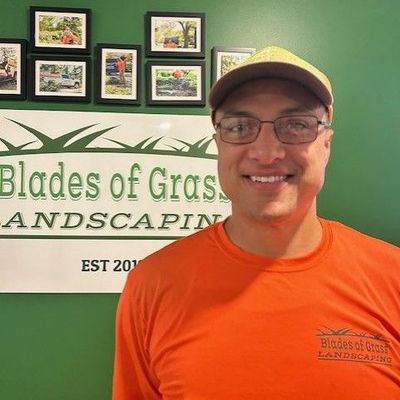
[(85, 196)]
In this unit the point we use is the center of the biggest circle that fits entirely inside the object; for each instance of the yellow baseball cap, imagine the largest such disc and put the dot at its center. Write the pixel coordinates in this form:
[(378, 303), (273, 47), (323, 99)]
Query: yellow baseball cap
[(274, 62)]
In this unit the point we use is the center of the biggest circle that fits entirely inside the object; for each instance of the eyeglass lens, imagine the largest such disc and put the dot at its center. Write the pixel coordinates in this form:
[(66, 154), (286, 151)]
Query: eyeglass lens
[(289, 129)]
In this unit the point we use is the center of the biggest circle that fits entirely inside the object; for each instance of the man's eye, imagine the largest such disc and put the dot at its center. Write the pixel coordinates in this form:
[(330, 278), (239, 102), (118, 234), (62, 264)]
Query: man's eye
[(239, 128), (297, 124)]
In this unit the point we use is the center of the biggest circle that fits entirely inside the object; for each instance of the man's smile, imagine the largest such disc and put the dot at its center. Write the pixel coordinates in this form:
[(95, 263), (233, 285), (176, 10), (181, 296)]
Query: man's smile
[(268, 179)]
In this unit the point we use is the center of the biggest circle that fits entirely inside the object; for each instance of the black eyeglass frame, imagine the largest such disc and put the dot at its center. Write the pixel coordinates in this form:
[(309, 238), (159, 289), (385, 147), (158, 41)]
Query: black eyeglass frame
[(325, 124)]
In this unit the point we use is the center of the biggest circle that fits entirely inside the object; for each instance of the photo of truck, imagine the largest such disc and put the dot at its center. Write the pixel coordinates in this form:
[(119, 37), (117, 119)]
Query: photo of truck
[(60, 77), (64, 80)]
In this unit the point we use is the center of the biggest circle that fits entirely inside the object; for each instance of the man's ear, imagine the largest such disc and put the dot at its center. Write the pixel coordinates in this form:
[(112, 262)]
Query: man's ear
[(329, 137), (327, 144)]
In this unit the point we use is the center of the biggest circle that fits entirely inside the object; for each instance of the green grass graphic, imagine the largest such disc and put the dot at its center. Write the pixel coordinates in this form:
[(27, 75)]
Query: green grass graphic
[(349, 332), (69, 143)]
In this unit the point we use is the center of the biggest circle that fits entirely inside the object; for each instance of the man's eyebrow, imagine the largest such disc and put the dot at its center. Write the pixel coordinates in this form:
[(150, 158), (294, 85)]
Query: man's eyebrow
[(286, 111), (234, 113), (294, 110)]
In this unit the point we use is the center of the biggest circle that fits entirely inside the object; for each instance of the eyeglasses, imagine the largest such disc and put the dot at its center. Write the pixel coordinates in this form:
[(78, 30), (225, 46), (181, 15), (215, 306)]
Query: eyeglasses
[(291, 129)]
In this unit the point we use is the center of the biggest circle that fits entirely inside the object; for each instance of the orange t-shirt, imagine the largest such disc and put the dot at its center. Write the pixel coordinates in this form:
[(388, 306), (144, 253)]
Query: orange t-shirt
[(120, 65), (202, 319)]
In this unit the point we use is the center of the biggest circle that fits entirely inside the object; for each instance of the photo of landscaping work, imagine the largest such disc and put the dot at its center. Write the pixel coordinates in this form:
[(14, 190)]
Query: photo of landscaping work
[(60, 30), (60, 78), (173, 33), (8, 68), (230, 60), (177, 82), (118, 73)]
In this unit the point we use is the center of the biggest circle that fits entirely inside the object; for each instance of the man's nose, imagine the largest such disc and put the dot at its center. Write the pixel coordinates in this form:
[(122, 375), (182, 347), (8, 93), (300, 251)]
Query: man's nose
[(267, 148)]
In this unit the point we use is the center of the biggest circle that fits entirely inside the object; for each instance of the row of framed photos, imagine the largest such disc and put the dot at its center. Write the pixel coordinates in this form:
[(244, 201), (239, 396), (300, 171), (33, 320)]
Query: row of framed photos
[(67, 30), (117, 75)]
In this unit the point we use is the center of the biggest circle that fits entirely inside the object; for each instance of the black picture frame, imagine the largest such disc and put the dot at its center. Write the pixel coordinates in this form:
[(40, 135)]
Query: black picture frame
[(177, 83), (188, 41), (13, 69), (114, 85), (60, 78), (236, 55), (68, 30)]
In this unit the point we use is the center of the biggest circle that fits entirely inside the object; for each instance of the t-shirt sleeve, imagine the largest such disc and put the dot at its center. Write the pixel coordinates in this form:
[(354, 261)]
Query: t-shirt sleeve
[(133, 378)]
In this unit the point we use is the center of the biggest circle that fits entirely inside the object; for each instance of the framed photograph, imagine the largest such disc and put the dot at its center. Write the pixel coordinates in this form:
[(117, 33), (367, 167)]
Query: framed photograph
[(60, 30), (175, 34), (13, 69), (175, 83), (225, 58), (117, 73), (60, 78)]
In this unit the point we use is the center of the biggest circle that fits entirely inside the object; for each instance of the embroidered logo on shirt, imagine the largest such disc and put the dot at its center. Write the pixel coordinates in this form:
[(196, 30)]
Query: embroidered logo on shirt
[(348, 345)]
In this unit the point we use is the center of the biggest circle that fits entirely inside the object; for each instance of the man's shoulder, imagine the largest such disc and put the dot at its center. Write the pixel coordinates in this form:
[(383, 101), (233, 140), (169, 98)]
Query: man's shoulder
[(182, 253), (348, 236), (174, 265)]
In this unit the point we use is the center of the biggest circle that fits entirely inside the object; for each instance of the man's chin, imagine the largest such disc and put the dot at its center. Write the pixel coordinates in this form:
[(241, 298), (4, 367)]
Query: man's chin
[(275, 214)]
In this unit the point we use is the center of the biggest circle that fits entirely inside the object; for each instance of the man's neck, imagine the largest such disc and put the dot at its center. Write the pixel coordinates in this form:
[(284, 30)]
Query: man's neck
[(276, 239)]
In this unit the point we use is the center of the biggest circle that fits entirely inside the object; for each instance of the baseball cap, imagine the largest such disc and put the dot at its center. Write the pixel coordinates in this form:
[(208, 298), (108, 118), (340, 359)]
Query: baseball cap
[(274, 62)]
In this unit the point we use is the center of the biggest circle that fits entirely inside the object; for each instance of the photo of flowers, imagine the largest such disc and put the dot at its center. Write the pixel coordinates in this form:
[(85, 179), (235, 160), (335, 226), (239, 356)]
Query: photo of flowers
[(12, 69), (172, 83), (117, 77), (55, 29), (175, 34)]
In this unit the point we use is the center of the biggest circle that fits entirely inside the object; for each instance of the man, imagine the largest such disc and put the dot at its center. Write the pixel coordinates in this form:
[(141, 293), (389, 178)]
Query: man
[(69, 37), (169, 43), (275, 302), (121, 66)]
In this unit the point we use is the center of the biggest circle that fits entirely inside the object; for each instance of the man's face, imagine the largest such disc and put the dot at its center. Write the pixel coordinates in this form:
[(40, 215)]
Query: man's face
[(268, 181)]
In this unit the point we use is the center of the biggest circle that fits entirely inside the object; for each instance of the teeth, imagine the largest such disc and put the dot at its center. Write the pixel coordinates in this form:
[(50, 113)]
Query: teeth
[(267, 179)]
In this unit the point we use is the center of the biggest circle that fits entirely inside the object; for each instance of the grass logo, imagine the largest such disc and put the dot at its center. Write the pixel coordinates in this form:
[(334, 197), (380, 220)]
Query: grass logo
[(67, 144), (349, 345)]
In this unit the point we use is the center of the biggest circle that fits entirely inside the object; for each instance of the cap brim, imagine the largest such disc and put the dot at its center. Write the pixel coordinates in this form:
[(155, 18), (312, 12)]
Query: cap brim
[(270, 69)]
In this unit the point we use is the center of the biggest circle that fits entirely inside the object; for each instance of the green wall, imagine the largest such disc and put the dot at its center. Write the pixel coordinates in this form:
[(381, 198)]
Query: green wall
[(61, 346)]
